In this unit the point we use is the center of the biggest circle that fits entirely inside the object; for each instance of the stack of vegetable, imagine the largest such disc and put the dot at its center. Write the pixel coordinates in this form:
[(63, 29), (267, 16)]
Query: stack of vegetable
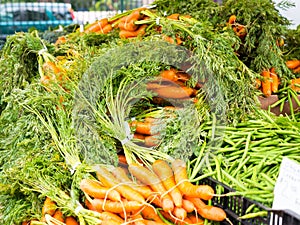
[(73, 107)]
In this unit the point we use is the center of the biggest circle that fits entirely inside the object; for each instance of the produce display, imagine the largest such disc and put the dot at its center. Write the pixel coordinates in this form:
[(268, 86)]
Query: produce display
[(119, 122)]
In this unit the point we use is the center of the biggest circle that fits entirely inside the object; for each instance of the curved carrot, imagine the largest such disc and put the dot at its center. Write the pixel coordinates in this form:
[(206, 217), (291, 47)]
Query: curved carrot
[(232, 19), (70, 220), (115, 207), (111, 216), (96, 26), (94, 189), (108, 179), (149, 213), (266, 83), (149, 178), (275, 80), (204, 192), (293, 63), (207, 211), (162, 169)]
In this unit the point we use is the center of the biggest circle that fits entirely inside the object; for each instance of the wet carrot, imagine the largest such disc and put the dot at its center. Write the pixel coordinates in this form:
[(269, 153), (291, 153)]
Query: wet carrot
[(266, 83)]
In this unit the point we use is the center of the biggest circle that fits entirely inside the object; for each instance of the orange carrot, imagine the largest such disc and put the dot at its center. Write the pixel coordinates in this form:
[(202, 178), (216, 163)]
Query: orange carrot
[(295, 84), (58, 215), (149, 213), (115, 207), (275, 80), (257, 83), (70, 220), (150, 222), (232, 19), (128, 25), (206, 211), (89, 205), (175, 220), (149, 178), (135, 15), (94, 189), (145, 191), (266, 83), (162, 169), (179, 213), (130, 34), (110, 216), (188, 205), (49, 207), (96, 26), (296, 70), (145, 128), (195, 219), (175, 92), (106, 29), (204, 192), (110, 222), (151, 141), (139, 136), (174, 16), (293, 63), (60, 40), (109, 180)]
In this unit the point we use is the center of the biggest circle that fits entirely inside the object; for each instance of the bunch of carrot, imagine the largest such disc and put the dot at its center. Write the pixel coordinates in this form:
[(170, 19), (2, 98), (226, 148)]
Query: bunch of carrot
[(172, 84), (139, 195), (269, 82), (239, 29), (51, 213), (102, 26)]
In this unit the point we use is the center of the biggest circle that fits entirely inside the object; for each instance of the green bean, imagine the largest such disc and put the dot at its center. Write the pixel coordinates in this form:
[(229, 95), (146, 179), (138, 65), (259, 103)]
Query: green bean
[(253, 215), (233, 180)]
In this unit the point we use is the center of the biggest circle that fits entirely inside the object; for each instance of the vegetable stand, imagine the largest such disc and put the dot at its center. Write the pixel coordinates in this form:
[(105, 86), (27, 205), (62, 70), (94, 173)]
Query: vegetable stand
[(173, 87)]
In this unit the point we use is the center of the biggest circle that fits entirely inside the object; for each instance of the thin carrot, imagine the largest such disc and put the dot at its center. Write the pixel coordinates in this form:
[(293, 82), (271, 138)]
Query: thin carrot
[(89, 205), (115, 207), (195, 219), (174, 16), (108, 179), (188, 189), (188, 205), (70, 220), (139, 136), (206, 211), (110, 222), (49, 207), (111, 216), (94, 189), (135, 15), (106, 29), (162, 169), (293, 63), (149, 178), (96, 26), (275, 80), (179, 213), (130, 34), (149, 213), (296, 70), (266, 83)]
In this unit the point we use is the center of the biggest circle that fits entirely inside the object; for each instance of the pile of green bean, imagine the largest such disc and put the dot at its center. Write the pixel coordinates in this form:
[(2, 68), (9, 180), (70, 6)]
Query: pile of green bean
[(250, 156)]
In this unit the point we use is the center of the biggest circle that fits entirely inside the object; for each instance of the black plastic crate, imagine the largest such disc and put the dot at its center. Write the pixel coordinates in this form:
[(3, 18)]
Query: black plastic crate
[(236, 206)]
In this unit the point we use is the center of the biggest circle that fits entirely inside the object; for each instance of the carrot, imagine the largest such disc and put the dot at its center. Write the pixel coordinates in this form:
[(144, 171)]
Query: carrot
[(89, 205), (295, 84), (111, 216), (145, 191), (135, 15), (293, 63), (232, 19), (110, 222), (151, 141), (257, 83), (241, 32), (196, 220), (149, 213), (170, 74), (139, 136), (175, 220), (188, 189), (122, 159), (70, 220), (175, 92), (128, 25), (162, 169), (149, 178), (58, 215), (174, 16), (94, 189), (60, 40), (296, 70), (145, 128), (96, 26), (130, 34), (179, 213), (188, 205), (150, 222), (275, 80), (266, 83), (108, 179), (115, 207), (206, 211), (106, 29), (49, 207)]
